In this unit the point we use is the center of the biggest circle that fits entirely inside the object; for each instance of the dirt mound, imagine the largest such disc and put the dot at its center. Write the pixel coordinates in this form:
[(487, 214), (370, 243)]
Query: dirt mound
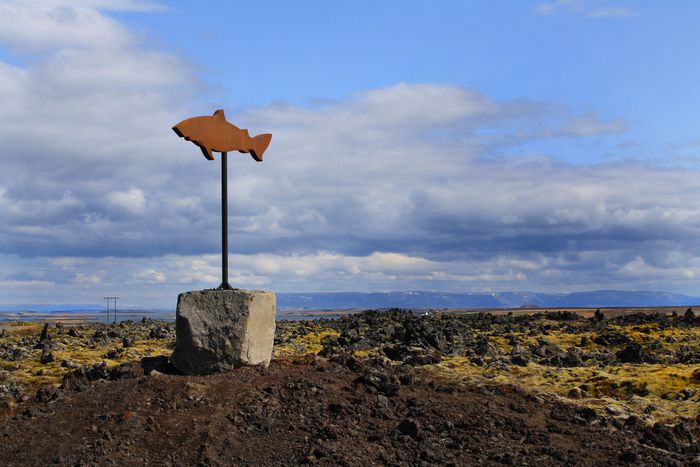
[(344, 412)]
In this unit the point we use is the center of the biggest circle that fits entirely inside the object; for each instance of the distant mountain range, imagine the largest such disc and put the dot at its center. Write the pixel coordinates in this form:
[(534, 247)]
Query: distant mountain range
[(435, 300), (70, 308), (599, 298), (50, 308)]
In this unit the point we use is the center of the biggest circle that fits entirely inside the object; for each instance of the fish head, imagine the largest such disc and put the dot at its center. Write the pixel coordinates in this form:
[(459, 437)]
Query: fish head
[(195, 129), (188, 128)]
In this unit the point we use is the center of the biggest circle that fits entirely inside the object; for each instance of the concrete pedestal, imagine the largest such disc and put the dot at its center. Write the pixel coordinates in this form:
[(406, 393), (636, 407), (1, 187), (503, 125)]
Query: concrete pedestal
[(217, 330)]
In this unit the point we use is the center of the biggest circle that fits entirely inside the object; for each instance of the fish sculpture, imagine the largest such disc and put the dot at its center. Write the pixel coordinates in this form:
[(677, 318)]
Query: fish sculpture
[(215, 133)]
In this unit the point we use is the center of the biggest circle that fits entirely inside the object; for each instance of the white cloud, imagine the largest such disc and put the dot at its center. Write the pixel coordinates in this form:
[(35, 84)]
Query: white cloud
[(338, 205), (590, 8), (38, 26), (86, 278), (133, 201), (613, 12), (145, 281), (588, 125), (150, 276), (11, 284)]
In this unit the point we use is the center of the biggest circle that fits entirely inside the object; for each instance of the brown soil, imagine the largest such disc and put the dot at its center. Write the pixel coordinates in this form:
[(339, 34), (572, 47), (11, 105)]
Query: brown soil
[(338, 411)]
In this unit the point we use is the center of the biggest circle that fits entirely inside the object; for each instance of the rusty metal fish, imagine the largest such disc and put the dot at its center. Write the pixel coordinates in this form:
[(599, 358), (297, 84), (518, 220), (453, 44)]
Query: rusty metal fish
[(215, 133)]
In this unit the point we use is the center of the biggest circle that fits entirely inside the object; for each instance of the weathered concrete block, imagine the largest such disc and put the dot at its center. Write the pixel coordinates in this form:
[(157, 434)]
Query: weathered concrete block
[(218, 330)]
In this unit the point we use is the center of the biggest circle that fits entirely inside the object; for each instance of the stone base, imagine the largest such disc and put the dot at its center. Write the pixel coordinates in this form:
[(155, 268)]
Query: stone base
[(217, 330)]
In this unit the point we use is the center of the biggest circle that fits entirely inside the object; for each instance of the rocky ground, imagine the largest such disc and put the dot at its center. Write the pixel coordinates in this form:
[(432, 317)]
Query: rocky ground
[(373, 388)]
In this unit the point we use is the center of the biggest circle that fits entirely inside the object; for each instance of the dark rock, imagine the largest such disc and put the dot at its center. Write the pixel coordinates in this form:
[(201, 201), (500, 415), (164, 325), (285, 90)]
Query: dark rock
[(588, 414), (631, 354), (80, 378), (688, 316), (410, 427), (44, 332), (47, 357), (612, 338), (160, 364), (42, 345), (546, 349), (126, 370), (73, 332), (12, 353), (562, 412), (379, 379), (632, 421), (349, 336), (69, 364), (656, 345), (519, 359), (572, 358), (424, 359), (683, 434), (329, 432), (397, 353), (660, 436), (113, 354), (46, 393), (339, 408), (485, 349), (11, 391), (407, 378), (128, 342), (362, 344), (159, 333)]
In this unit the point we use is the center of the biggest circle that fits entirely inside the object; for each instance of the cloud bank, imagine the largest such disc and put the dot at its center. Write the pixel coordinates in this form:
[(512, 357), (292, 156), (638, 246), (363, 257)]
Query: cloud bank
[(412, 186)]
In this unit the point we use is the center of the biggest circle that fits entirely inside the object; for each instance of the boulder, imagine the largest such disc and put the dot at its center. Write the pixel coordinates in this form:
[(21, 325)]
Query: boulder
[(633, 353), (216, 330), (47, 357), (689, 315)]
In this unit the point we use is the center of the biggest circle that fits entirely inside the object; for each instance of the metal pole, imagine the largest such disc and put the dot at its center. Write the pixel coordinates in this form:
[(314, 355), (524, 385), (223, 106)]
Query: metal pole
[(224, 224)]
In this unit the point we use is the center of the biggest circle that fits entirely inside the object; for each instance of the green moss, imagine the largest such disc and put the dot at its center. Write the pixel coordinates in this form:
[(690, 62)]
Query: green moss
[(306, 344), (31, 373)]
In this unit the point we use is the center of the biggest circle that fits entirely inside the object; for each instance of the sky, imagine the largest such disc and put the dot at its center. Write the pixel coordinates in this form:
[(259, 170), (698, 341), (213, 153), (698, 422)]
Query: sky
[(463, 146)]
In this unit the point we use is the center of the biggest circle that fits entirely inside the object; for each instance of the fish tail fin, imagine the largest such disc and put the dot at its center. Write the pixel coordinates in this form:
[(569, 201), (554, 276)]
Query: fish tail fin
[(260, 144)]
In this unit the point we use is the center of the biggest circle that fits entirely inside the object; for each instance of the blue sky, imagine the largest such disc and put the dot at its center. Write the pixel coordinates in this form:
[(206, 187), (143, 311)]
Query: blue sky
[(629, 60), (453, 145)]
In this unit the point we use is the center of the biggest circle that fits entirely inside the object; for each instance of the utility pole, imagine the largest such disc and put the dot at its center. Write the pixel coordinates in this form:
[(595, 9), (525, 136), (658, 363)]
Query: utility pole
[(115, 307)]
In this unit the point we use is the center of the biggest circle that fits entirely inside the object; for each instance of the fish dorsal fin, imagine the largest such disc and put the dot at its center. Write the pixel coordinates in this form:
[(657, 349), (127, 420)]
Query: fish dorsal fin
[(219, 114)]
